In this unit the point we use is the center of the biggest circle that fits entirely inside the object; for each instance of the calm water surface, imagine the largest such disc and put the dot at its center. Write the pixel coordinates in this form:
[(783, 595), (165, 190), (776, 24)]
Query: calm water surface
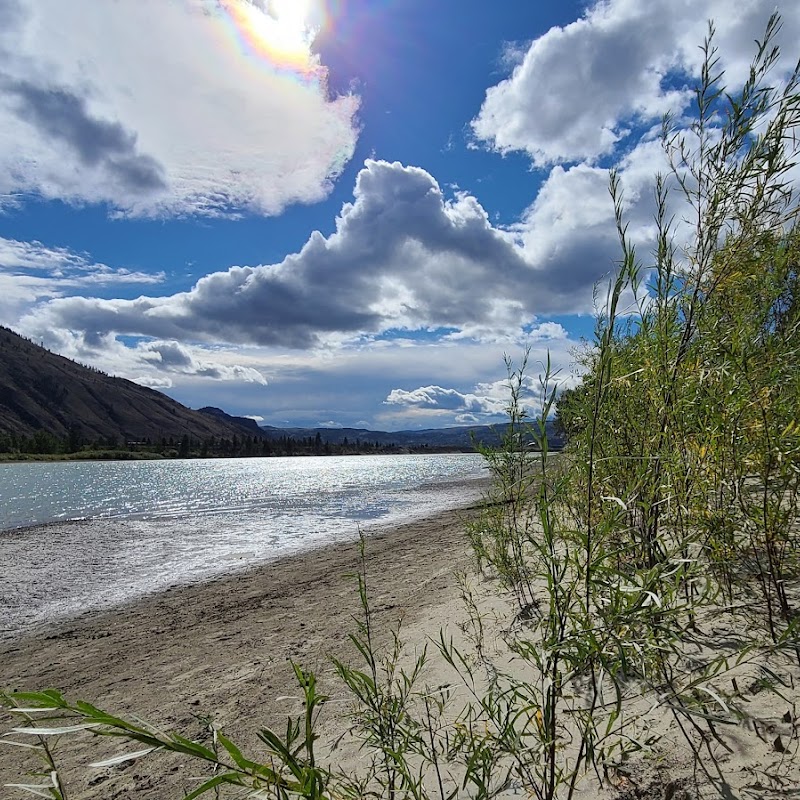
[(107, 532)]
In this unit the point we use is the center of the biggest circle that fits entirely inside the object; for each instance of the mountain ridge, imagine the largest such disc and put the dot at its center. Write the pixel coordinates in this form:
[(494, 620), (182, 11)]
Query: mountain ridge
[(461, 437), (43, 391)]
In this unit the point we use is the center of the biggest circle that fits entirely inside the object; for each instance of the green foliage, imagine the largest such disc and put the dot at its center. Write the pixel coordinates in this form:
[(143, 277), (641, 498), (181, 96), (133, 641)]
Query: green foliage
[(505, 534), (288, 768), (383, 695), (572, 404), (76, 447), (692, 399)]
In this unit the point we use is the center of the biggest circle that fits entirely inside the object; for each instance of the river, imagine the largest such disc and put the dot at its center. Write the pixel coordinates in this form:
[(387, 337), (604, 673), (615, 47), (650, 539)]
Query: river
[(83, 535)]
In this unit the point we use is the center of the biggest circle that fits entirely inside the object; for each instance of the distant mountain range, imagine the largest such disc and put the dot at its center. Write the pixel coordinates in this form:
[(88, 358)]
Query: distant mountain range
[(458, 438), (44, 392)]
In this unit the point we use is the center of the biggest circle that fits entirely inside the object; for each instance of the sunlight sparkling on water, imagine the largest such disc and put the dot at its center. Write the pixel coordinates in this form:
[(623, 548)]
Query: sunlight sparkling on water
[(150, 525), (39, 493)]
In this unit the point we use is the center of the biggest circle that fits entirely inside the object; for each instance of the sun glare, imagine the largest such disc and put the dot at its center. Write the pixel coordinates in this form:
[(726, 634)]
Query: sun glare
[(279, 31), (291, 14), (290, 20)]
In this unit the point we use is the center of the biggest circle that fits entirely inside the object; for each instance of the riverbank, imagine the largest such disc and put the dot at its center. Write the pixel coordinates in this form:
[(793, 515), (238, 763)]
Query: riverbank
[(145, 455), (222, 648), (88, 455)]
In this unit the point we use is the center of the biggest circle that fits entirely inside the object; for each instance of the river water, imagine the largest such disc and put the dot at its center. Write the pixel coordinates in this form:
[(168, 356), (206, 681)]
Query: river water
[(81, 536)]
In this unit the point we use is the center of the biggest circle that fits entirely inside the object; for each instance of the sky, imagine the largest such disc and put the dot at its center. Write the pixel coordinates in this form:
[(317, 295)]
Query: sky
[(340, 213)]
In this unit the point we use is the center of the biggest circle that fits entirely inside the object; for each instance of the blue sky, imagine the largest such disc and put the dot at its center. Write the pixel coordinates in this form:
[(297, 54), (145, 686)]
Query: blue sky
[(334, 212)]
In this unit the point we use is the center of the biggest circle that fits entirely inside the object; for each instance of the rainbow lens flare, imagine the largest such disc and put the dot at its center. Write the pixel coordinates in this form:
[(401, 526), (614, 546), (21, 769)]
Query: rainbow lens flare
[(279, 33)]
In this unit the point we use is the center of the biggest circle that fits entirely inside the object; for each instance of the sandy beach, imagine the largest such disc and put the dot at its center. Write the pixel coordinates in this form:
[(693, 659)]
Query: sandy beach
[(222, 650)]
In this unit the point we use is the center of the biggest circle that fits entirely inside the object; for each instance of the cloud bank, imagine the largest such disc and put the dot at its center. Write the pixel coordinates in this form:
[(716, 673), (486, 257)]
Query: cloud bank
[(403, 256), (157, 108)]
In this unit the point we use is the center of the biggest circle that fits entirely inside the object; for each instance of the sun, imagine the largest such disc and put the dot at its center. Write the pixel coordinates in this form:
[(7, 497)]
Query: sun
[(291, 14), (291, 23), (280, 32)]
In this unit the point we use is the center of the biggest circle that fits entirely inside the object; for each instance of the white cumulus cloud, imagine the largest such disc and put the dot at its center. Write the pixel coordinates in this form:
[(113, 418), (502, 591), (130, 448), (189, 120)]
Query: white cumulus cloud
[(581, 89), (403, 256), (438, 398)]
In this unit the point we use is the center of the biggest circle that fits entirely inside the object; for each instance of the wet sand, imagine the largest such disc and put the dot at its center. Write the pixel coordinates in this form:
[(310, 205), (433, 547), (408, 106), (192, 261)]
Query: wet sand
[(222, 648)]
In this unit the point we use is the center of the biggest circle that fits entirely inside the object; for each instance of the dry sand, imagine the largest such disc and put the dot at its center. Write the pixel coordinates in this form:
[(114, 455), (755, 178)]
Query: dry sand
[(223, 648)]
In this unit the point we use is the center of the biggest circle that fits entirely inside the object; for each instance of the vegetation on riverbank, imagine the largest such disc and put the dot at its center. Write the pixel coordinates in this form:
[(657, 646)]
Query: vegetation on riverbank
[(247, 447), (81, 455), (673, 512)]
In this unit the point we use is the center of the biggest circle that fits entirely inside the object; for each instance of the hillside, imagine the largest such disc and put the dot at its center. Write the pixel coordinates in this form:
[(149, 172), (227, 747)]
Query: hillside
[(41, 391), (44, 392)]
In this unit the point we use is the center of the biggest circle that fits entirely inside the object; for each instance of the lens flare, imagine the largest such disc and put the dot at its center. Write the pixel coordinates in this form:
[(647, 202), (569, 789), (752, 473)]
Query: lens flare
[(279, 32)]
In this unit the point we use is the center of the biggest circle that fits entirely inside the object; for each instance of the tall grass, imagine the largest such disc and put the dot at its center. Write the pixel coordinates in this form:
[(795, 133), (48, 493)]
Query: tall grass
[(675, 501)]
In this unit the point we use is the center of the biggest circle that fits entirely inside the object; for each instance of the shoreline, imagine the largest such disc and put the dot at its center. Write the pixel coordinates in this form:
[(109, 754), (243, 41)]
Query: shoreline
[(223, 646), (143, 455), (223, 649), (26, 517), (34, 608)]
